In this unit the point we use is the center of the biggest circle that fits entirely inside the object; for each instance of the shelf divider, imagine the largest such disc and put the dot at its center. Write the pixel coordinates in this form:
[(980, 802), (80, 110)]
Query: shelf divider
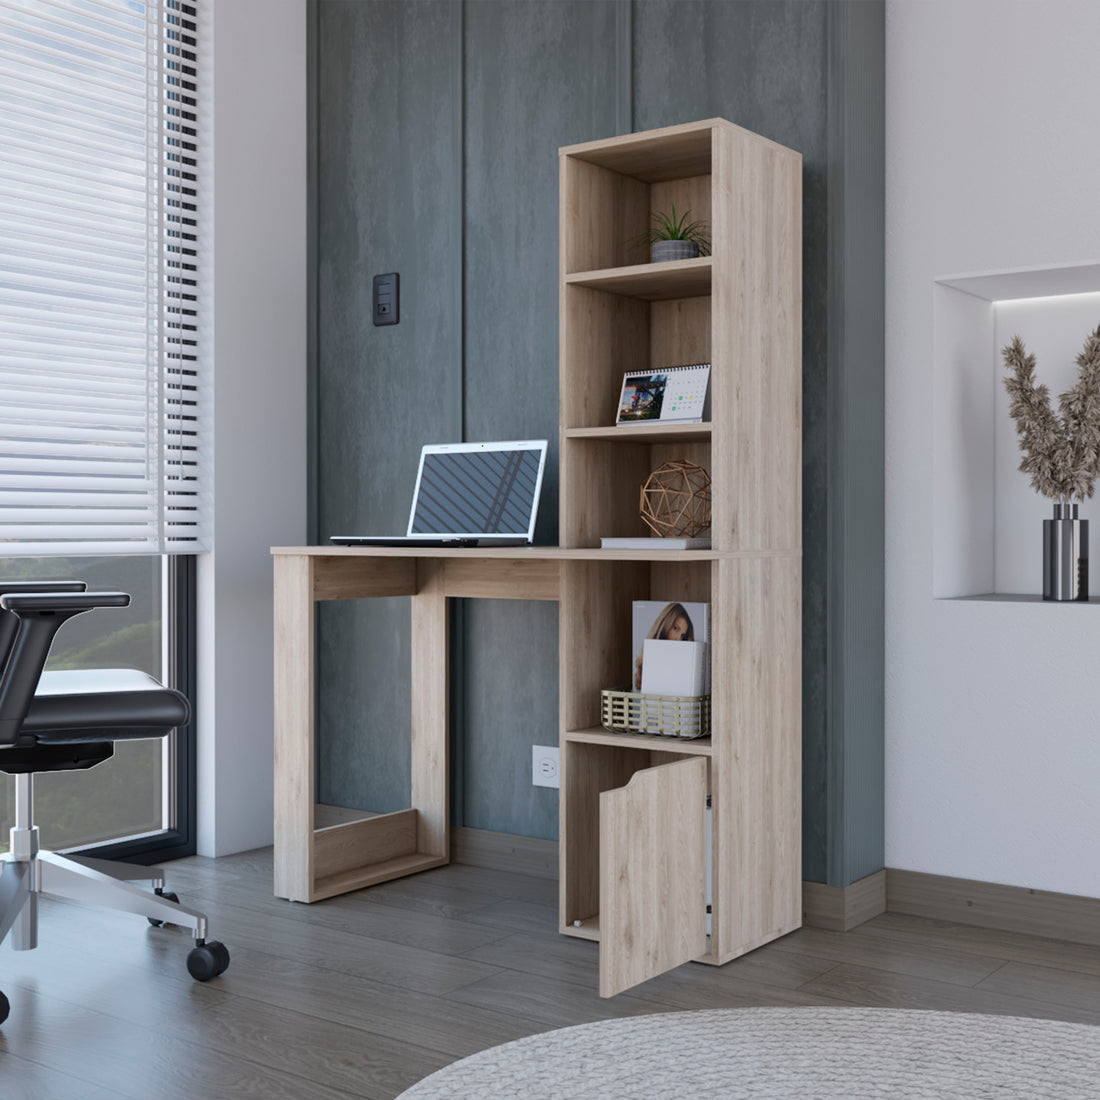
[(651, 282), (645, 433), (597, 735)]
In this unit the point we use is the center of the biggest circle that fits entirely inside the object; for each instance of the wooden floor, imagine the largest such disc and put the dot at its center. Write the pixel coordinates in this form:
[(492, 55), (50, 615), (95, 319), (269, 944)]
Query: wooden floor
[(365, 994)]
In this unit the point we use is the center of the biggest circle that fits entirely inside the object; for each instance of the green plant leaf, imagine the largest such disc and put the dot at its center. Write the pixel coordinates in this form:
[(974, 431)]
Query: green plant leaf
[(672, 226)]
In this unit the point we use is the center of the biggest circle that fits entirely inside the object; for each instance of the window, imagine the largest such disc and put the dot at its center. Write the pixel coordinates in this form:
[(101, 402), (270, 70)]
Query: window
[(104, 389), (124, 796)]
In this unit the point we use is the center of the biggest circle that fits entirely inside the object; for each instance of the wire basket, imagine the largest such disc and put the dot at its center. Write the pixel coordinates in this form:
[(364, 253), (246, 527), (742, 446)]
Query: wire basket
[(685, 716)]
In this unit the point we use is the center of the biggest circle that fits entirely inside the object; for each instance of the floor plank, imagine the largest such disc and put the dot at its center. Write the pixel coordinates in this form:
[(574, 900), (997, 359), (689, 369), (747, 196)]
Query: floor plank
[(862, 985), (516, 916), (554, 1002), (920, 933), (364, 994), (346, 913), (1047, 984), (761, 978), (23, 1080), (151, 1061), (545, 955), (933, 961), (274, 1034)]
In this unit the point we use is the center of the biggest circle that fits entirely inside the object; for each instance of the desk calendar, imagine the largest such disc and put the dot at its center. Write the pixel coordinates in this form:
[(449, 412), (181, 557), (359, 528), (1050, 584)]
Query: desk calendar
[(667, 395)]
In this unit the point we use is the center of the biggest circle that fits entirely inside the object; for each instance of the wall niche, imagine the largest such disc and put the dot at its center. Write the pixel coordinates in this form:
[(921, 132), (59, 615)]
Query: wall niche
[(987, 518)]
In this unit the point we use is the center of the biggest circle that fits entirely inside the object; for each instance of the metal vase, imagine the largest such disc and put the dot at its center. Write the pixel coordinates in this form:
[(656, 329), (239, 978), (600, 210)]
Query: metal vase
[(1065, 555)]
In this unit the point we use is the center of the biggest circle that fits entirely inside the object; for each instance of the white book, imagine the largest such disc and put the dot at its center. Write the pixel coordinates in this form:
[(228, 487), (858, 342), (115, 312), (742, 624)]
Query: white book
[(675, 668), (661, 619), (701, 542)]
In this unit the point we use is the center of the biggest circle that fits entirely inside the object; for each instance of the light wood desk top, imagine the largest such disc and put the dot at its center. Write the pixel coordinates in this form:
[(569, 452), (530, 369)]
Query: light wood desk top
[(543, 553)]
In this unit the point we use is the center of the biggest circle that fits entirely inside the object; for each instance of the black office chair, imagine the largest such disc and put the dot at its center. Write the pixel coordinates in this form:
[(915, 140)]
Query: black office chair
[(61, 721)]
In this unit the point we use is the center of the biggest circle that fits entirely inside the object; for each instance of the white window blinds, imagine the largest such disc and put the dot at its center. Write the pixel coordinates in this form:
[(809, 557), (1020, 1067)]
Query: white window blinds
[(103, 394)]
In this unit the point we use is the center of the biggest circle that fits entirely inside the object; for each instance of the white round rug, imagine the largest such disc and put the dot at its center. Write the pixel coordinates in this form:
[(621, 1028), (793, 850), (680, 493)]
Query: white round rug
[(784, 1054)]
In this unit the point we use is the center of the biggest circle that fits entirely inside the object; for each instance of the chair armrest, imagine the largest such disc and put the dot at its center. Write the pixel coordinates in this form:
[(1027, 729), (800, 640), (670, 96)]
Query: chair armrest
[(9, 624), (18, 587), (40, 615), (38, 600)]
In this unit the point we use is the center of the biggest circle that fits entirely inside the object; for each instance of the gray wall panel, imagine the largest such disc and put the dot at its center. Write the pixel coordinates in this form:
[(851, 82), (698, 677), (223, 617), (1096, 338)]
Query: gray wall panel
[(538, 75), (511, 704), (764, 66), (387, 197), (437, 135), (856, 817)]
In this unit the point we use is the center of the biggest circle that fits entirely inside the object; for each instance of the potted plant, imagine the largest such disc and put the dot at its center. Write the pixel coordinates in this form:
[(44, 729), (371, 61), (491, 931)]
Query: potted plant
[(672, 237), (1062, 455)]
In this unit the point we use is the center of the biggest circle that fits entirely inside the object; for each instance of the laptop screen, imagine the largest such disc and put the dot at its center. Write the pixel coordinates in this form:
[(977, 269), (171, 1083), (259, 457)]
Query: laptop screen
[(478, 489)]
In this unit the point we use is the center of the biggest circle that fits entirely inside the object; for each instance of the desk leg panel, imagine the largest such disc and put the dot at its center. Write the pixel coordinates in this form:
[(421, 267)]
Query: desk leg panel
[(359, 845), (430, 701), (294, 793)]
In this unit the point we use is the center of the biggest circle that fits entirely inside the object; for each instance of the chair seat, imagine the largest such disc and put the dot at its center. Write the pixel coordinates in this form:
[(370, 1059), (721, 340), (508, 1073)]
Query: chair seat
[(103, 704)]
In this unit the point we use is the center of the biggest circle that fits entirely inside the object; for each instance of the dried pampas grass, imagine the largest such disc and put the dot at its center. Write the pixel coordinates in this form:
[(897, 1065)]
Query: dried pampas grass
[(1061, 453)]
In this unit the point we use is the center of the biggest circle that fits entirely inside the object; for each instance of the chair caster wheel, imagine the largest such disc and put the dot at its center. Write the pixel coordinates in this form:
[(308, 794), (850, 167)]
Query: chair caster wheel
[(171, 895), (5, 1008), (208, 961)]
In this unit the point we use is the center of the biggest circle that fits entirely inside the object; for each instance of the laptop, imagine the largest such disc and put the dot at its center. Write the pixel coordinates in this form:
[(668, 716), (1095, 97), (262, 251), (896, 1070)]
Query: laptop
[(470, 494)]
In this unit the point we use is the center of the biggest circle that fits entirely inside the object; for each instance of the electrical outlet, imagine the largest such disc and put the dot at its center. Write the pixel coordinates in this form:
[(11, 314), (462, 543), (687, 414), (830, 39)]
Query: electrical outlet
[(544, 766)]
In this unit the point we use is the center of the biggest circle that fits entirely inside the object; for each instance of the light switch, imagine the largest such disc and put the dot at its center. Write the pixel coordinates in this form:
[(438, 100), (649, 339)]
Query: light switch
[(387, 298)]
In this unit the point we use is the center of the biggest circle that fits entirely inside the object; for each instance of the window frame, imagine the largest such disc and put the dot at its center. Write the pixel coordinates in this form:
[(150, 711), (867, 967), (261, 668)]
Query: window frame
[(180, 839)]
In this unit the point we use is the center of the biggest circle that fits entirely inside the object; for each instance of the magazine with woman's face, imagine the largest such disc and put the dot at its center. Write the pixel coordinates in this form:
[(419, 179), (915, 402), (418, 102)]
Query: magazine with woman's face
[(667, 620)]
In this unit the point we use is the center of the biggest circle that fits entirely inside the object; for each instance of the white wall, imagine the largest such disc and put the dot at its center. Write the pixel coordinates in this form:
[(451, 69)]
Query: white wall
[(993, 730), (259, 404)]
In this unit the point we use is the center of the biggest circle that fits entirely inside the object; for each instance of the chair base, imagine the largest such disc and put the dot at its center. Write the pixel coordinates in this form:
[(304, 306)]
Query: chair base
[(92, 881), (26, 872), (97, 882)]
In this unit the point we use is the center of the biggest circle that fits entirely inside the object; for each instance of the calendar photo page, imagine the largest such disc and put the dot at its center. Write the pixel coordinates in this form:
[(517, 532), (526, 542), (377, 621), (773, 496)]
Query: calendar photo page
[(668, 395)]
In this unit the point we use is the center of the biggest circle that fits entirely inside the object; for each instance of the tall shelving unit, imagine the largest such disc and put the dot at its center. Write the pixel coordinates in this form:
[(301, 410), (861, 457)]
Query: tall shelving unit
[(632, 812)]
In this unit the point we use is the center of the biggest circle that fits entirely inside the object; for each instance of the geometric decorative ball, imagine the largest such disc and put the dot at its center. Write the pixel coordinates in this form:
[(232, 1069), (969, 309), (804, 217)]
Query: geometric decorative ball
[(675, 500)]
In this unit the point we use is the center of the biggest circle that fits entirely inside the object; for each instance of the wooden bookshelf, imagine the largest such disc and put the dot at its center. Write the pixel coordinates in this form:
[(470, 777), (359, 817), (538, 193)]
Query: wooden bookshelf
[(739, 310)]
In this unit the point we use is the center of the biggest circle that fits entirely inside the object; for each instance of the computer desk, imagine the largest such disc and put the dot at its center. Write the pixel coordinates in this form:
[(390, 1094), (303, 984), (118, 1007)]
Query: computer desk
[(323, 851), (633, 812)]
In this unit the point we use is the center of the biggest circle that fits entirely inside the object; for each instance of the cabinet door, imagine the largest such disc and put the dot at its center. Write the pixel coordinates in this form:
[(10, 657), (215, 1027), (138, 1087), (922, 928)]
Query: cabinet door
[(652, 874)]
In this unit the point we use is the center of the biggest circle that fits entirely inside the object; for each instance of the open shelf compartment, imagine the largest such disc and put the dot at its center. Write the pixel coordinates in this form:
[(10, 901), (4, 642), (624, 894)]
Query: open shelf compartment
[(618, 186), (607, 334), (603, 466), (602, 481), (596, 627)]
